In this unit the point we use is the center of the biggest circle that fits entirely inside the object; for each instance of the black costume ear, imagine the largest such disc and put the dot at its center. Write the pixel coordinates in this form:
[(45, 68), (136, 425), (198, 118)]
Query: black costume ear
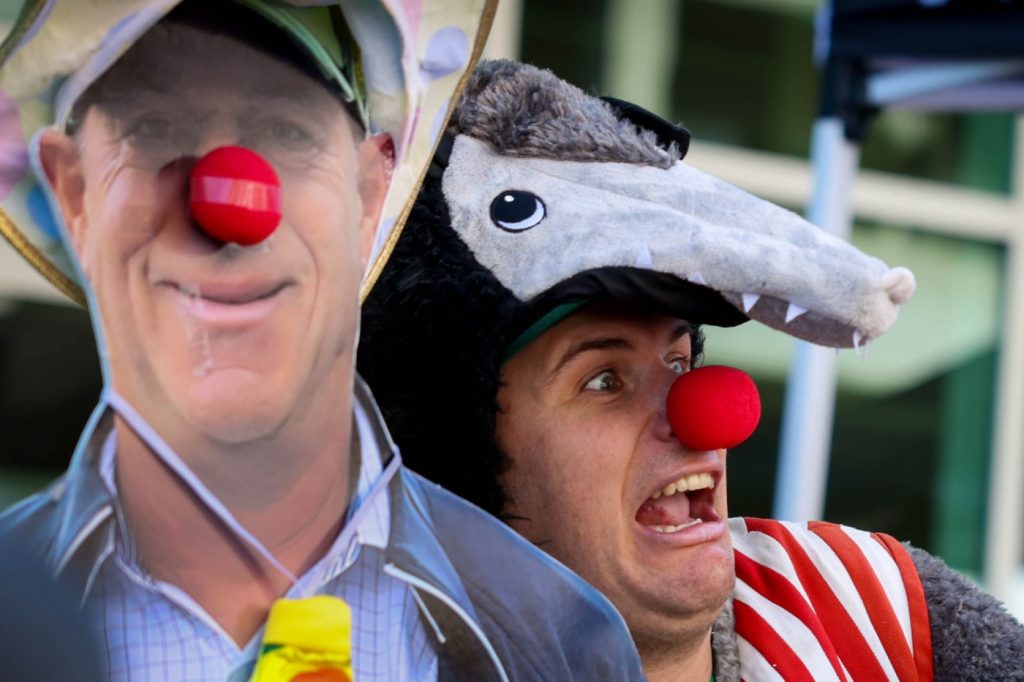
[(664, 132)]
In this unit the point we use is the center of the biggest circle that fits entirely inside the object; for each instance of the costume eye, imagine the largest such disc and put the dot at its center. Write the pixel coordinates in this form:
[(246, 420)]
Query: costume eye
[(605, 381), (515, 210)]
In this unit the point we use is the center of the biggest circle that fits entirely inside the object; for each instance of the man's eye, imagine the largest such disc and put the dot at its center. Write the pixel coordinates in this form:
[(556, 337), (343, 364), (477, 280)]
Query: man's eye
[(679, 365), (151, 128), (605, 381), (290, 135)]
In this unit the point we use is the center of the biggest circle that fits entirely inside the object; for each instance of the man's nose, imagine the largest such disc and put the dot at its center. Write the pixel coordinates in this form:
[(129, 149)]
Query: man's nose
[(713, 408), (235, 195), (217, 132), (662, 383)]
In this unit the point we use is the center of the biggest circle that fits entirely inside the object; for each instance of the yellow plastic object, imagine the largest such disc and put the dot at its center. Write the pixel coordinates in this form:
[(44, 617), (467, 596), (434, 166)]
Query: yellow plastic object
[(307, 640)]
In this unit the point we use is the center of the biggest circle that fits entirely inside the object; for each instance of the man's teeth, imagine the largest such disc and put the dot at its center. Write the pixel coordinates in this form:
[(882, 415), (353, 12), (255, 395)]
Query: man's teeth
[(673, 529), (691, 482)]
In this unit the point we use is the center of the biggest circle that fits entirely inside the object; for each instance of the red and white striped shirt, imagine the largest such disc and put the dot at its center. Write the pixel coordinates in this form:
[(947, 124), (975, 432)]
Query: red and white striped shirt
[(817, 601)]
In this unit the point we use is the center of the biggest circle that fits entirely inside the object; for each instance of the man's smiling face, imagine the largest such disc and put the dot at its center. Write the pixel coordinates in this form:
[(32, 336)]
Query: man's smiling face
[(215, 339), (594, 473)]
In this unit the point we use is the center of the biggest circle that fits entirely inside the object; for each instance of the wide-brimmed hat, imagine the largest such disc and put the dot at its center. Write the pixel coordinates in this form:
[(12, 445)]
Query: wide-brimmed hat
[(412, 58)]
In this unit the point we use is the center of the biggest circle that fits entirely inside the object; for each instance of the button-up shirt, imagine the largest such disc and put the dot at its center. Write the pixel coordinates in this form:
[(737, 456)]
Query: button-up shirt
[(155, 631)]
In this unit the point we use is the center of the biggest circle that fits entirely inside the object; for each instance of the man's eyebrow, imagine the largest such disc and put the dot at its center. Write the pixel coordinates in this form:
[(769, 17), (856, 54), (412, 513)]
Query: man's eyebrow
[(677, 333), (603, 343)]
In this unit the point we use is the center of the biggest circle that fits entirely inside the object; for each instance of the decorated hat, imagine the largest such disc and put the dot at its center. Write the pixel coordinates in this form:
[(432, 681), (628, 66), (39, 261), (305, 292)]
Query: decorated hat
[(543, 198), (395, 62)]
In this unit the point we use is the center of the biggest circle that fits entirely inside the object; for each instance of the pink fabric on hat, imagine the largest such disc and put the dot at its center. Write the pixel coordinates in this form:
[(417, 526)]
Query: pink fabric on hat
[(13, 150)]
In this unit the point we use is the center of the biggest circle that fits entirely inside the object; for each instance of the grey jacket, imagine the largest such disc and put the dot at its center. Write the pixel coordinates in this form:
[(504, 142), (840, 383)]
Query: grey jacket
[(503, 609)]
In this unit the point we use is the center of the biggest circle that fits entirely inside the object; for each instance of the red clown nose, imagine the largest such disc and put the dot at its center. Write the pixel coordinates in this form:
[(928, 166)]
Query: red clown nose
[(713, 407), (235, 196)]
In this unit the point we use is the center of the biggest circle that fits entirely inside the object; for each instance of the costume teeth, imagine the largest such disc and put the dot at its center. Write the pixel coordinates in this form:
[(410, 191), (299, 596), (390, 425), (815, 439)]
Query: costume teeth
[(794, 311), (749, 300), (644, 259)]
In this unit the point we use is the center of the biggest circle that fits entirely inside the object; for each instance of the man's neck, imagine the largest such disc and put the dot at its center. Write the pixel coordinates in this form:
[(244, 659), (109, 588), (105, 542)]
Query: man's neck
[(289, 492), (682, 665), (686, 657)]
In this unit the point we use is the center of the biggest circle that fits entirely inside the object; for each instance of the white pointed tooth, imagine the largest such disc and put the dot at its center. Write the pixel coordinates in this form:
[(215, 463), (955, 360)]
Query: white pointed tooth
[(749, 300), (794, 311), (693, 482), (643, 258), (857, 337), (864, 351), (697, 278), (670, 489)]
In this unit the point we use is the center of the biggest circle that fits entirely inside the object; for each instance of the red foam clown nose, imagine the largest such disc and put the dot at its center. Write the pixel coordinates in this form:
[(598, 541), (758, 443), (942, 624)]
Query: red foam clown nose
[(713, 407), (235, 196)]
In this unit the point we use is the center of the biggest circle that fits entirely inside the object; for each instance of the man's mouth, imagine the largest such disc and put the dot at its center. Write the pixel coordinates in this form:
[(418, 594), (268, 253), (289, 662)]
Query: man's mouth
[(228, 303), (233, 295), (683, 503)]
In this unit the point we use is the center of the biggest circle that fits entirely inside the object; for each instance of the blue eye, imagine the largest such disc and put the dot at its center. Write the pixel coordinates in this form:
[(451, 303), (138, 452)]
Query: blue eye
[(517, 210), (678, 365)]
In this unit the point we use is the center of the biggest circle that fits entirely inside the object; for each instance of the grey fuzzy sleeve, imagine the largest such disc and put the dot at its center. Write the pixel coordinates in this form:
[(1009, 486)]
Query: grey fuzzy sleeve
[(973, 636)]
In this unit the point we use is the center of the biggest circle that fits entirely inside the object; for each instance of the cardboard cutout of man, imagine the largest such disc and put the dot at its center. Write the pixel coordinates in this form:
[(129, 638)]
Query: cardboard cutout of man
[(220, 170), (553, 278)]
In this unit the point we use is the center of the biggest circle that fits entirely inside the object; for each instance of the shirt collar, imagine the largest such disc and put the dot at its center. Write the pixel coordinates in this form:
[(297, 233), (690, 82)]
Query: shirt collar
[(87, 501)]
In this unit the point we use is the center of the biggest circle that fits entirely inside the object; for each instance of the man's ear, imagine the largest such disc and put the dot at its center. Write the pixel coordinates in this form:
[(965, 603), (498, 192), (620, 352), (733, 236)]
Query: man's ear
[(62, 164), (376, 163)]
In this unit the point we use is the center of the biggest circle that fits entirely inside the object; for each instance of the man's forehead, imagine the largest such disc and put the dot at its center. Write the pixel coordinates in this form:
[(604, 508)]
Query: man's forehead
[(605, 325), (176, 57)]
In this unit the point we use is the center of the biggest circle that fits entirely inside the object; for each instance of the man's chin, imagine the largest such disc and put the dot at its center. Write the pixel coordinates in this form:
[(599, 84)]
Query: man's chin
[(690, 580), (235, 406)]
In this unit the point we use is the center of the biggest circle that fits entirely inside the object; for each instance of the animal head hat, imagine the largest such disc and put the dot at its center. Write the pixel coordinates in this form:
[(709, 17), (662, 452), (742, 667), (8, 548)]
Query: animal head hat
[(542, 198)]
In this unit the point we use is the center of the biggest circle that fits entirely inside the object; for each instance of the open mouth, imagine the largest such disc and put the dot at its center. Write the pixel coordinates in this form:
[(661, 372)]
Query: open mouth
[(684, 503)]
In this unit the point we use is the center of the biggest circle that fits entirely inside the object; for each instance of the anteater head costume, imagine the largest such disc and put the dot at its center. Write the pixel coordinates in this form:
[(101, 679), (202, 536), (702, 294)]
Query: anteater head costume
[(542, 198)]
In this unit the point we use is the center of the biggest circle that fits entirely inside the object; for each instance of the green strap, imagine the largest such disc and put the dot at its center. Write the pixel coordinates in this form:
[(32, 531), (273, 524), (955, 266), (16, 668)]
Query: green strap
[(546, 322)]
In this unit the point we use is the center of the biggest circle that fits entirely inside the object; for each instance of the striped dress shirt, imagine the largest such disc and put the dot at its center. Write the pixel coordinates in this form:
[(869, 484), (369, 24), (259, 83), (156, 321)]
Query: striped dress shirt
[(155, 632)]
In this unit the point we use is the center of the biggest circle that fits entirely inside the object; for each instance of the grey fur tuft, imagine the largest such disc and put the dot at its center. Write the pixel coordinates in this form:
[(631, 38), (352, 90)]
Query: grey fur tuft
[(529, 112), (973, 637), (725, 646)]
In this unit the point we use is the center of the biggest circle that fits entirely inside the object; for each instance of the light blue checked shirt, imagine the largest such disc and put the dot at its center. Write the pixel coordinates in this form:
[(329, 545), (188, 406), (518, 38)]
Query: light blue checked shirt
[(156, 632)]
